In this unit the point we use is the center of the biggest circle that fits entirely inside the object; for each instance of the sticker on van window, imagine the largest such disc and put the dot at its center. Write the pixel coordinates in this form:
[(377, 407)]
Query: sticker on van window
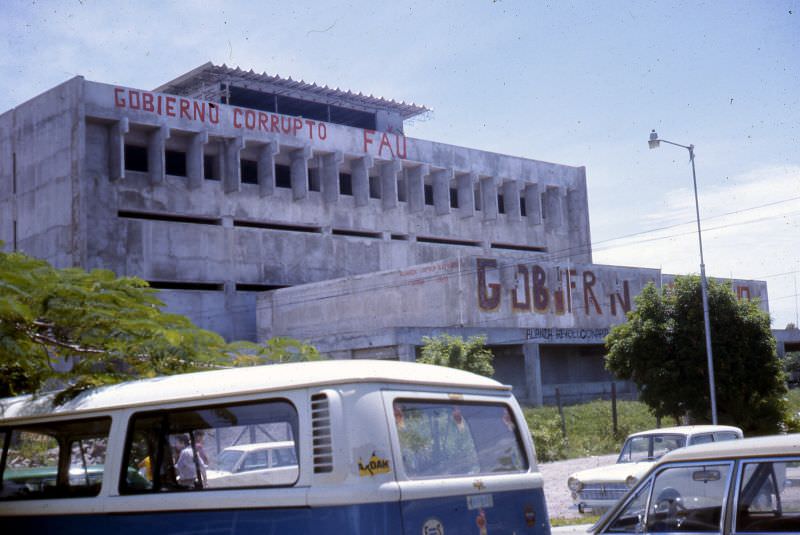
[(432, 526), (376, 465)]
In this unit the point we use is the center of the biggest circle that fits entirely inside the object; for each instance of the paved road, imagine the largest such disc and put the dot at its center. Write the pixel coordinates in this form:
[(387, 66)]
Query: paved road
[(559, 500)]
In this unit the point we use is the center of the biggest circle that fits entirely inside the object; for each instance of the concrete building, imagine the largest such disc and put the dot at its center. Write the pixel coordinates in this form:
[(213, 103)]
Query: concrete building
[(223, 184)]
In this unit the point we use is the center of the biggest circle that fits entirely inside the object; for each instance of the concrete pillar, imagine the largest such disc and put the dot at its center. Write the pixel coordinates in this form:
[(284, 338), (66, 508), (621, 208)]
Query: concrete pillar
[(511, 199), (232, 175), (533, 373), (553, 210), (266, 168), (406, 353), (466, 194), (116, 149), (389, 172), (299, 172), (194, 160), (330, 176), (416, 187), (489, 198), (533, 203), (359, 176), (441, 190), (155, 154)]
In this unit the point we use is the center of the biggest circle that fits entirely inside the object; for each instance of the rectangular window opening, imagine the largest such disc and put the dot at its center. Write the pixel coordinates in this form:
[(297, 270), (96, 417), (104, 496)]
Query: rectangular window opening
[(453, 198), (477, 199), (374, 187), (175, 162), (175, 218), (428, 194), (210, 167), (400, 237), (314, 182), (501, 206), (448, 241), (514, 247), (136, 158), (283, 176), (185, 285), (544, 206), (275, 226), (356, 233), (254, 287), (14, 173), (249, 170), (402, 191), (523, 209), (345, 184)]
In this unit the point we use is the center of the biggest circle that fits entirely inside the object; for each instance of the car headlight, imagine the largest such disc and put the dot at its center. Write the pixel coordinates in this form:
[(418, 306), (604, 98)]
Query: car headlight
[(574, 484), (631, 481)]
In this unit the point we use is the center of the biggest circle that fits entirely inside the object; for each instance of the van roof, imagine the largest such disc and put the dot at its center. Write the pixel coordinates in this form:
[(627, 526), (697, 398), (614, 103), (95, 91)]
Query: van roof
[(248, 380), (748, 447)]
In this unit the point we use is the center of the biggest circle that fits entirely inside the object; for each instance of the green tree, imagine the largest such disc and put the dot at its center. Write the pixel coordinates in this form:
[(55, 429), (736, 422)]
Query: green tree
[(471, 355), (662, 349), (76, 329)]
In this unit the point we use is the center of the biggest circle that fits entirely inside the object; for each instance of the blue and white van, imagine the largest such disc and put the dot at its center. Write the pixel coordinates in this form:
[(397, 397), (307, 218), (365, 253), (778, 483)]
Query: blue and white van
[(378, 447)]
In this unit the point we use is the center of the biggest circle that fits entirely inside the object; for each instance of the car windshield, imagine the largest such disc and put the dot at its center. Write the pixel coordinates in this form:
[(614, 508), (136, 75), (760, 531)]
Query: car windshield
[(649, 447), (227, 460)]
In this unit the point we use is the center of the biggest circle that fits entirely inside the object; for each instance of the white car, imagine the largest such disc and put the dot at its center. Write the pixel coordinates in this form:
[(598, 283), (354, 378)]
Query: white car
[(264, 463), (600, 488), (751, 486)]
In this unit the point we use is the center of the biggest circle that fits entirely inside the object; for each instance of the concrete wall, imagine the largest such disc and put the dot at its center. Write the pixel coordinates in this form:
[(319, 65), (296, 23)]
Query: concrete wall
[(41, 144)]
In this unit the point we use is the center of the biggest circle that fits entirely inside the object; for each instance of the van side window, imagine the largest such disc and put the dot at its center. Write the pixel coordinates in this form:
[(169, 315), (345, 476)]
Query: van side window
[(451, 439), (722, 436), (769, 497), (54, 460), (209, 447)]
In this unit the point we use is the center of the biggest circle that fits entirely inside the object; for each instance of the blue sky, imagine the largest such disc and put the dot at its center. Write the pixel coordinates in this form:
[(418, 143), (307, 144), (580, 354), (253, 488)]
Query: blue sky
[(579, 83)]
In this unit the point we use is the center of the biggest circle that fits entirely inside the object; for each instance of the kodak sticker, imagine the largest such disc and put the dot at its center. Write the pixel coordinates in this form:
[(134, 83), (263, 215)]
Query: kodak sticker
[(373, 466)]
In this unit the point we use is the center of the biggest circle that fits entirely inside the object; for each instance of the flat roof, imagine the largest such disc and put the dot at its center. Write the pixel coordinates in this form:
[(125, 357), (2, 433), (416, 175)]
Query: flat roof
[(687, 430), (747, 447), (209, 74), (247, 380)]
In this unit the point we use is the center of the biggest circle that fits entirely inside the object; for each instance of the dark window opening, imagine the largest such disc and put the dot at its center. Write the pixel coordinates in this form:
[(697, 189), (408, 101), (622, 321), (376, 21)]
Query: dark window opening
[(477, 199), (523, 209), (249, 169), (179, 285), (174, 218), (314, 182), (302, 108), (512, 247), (429, 194), (345, 184), (175, 162), (400, 237), (275, 226), (501, 205), (401, 190), (14, 172), (453, 198), (544, 205), (449, 241), (248, 98), (359, 119), (210, 171), (283, 176), (374, 187), (136, 158), (251, 287), (356, 233)]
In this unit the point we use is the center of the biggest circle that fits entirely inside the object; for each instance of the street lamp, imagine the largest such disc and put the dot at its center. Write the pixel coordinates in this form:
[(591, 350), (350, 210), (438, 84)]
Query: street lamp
[(654, 142)]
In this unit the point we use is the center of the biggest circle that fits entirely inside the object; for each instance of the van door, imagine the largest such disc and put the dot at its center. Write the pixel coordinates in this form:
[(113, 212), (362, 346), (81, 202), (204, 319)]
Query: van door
[(464, 464)]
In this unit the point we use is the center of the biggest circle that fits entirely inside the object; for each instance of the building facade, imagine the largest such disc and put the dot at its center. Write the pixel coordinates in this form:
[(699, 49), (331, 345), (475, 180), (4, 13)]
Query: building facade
[(224, 184)]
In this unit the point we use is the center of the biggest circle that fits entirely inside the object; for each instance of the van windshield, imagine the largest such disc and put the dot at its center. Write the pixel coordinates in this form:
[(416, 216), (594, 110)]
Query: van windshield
[(455, 439)]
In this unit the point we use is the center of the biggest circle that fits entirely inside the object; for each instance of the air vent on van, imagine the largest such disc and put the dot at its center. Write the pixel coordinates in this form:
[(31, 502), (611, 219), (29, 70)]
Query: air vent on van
[(321, 434)]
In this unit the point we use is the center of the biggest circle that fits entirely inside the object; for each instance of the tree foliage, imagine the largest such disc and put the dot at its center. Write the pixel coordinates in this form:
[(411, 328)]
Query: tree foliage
[(662, 349), (470, 355), (76, 329)]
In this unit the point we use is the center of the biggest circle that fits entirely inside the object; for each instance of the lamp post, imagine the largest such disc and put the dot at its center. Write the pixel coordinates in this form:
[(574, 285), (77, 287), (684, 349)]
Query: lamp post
[(654, 142)]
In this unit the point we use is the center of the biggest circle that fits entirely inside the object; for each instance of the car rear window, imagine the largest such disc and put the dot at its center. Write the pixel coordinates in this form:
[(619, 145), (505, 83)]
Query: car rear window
[(455, 439)]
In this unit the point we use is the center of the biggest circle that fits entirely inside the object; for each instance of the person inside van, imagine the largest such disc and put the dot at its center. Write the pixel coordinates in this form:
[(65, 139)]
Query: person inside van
[(192, 461)]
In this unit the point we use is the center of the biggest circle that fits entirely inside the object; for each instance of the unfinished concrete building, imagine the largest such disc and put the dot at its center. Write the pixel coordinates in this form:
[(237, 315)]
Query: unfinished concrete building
[(224, 183)]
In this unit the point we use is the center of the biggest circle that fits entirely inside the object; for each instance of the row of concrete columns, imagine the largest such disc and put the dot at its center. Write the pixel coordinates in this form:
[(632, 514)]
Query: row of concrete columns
[(469, 186)]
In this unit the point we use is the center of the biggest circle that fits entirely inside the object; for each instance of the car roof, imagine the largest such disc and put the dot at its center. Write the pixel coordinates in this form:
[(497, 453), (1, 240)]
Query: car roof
[(776, 445), (688, 430), (260, 446), (248, 380)]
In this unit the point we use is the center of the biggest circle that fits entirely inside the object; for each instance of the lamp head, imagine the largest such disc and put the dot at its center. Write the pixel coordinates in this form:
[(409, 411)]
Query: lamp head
[(654, 141)]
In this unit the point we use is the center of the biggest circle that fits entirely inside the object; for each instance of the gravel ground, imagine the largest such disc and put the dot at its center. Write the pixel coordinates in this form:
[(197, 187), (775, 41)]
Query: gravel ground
[(559, 499)]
